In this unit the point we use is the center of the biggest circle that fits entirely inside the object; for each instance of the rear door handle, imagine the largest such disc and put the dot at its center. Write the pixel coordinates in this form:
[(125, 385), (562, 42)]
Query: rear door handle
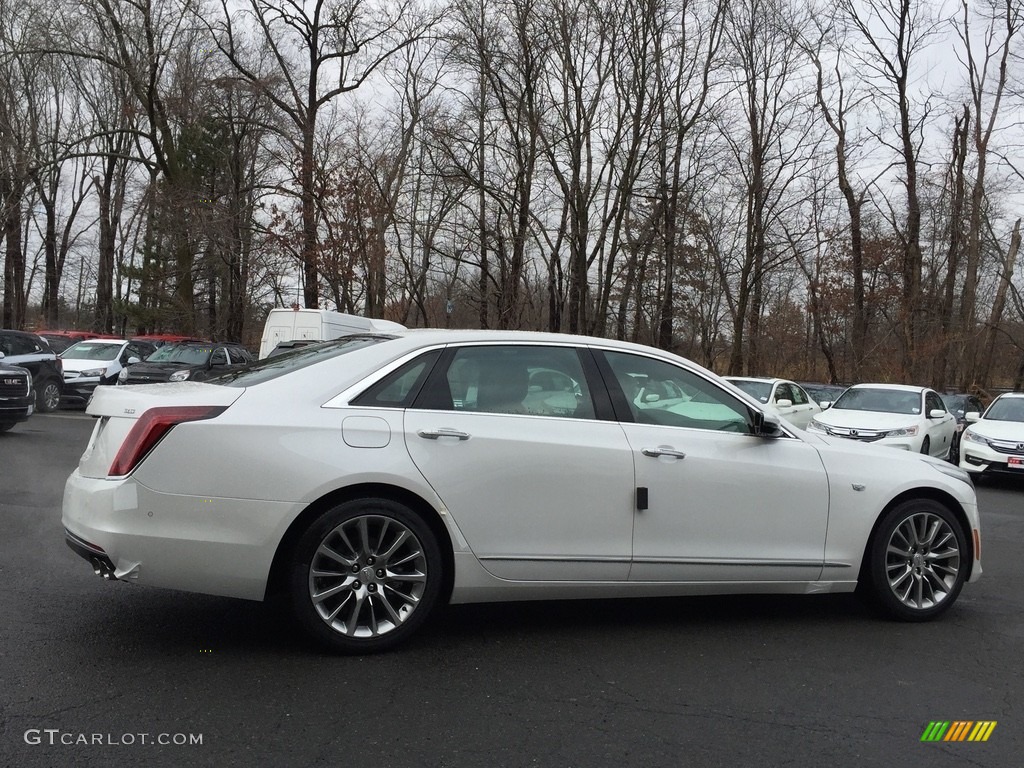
[(434, 434), (663, 450)]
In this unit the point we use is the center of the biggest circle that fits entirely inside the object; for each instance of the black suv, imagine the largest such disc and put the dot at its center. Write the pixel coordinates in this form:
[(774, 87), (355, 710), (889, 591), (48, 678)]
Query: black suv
[(30, 351), (187, 361), (17, 400)]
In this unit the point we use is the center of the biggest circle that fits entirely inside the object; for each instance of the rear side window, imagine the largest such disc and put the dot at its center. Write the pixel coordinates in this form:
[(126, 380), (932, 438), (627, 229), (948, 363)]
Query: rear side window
[(400, 388)]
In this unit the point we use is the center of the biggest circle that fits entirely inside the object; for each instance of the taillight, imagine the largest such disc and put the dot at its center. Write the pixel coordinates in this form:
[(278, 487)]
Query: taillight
[(151, 427)]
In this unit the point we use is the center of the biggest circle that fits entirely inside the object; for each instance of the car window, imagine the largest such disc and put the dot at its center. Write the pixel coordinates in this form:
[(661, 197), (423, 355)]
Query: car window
[(14, 344), (89, 350), (527, 380), (879, 400), (400, 388), (783, 392), (799, 396), (693, 401), (1006, 409), (761, 390), (219, 356), (933, 402)]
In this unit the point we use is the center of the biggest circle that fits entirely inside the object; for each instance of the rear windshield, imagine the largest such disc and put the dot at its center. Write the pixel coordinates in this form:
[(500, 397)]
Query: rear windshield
[(279, 365)]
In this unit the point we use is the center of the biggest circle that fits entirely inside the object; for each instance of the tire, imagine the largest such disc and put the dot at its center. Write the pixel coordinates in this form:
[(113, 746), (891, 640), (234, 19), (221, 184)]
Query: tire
[(917, 561), (6, 427), (926, 446), (48, 396), (365, 576)]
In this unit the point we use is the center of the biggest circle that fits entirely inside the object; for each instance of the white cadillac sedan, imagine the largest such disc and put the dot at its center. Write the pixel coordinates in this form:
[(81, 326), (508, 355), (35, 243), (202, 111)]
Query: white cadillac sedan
[(786, 398), (374, 478), (994, 442), (908, 418)]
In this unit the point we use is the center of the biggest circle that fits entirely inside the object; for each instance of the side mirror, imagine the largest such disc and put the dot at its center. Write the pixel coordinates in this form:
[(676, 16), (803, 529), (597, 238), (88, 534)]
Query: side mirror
[(824, 404), (936, 413), (1, 355), (767, 424), (134, 360), (972, 416), (784, 403)]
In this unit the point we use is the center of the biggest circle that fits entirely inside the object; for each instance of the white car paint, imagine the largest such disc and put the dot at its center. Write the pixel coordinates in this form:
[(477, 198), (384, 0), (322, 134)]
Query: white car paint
[(787, 398), (906, 427), (994, 441), (528, 504)]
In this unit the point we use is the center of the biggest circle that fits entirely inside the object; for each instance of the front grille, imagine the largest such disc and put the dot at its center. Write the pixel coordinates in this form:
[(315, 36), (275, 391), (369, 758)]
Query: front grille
[(850, 434), (1004, 447), (13, 385)]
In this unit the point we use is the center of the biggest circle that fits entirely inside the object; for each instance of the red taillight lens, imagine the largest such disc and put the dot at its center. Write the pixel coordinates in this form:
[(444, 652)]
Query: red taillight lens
[(153, 425)]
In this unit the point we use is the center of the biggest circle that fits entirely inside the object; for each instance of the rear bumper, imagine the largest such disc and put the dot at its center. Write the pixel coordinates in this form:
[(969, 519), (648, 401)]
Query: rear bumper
[(210, 545)]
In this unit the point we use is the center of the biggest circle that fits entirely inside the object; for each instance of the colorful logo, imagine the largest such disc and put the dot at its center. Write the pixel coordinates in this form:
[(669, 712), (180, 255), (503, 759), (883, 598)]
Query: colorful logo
[(958, 730)]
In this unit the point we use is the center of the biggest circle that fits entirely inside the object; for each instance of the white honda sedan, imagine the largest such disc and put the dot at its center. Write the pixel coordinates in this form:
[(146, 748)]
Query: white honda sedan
[(374, 478), (909, 418), (786, 398), (994, 442)]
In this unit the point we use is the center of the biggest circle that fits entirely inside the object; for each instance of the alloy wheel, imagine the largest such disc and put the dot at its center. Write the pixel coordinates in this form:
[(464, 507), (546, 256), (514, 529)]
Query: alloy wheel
[(923, 561)]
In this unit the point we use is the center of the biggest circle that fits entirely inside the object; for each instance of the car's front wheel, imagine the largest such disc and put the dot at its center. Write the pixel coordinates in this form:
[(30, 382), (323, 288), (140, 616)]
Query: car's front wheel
[(365, 575), (48, 396), (917, 561), (926, 446)]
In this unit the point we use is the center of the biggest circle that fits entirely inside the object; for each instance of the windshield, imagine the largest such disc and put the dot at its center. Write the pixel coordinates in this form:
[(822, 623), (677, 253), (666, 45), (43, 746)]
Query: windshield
[(90, 350), (759, 389), (1006, 409), (879, 400), (272, 367), (187, 354)]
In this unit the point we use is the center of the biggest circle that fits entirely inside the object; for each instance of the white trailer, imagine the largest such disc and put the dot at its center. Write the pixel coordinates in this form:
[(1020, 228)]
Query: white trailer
[(318, 324)]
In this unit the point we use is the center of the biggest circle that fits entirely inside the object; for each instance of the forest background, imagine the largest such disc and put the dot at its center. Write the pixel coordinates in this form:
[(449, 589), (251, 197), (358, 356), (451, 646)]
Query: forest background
[(816, 190)]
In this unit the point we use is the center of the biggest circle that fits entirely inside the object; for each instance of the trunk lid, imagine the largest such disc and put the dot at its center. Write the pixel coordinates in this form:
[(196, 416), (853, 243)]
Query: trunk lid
[(117, 408)]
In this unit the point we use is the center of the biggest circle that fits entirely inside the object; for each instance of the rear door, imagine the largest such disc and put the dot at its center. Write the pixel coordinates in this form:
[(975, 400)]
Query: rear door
[(516, 442)]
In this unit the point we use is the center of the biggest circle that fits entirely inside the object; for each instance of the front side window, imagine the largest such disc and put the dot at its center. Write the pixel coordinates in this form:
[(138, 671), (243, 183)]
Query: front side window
[(799, 396), (527, 380), (933, 402), (658, 392)]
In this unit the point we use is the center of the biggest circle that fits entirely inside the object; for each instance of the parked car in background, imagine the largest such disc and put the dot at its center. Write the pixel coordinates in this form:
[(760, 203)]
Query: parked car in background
[(371, 479), (894, 415), (17, 400), (186, 361), (89, 364), (960, 404), (823, 394), (32, 352), (993, 442), (786, 398)]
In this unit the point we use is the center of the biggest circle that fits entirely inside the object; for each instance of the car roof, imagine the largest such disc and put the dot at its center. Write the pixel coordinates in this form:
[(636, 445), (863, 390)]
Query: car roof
[(756, 378)]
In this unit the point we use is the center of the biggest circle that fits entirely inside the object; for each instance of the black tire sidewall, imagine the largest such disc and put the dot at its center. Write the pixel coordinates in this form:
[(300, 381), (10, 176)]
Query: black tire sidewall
[(306, 546), (880, 591), (41, 405)]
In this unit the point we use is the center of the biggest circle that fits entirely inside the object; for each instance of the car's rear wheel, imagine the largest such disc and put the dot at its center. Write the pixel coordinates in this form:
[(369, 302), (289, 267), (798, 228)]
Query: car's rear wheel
[(365, 575), (48, 396), (917, 561)]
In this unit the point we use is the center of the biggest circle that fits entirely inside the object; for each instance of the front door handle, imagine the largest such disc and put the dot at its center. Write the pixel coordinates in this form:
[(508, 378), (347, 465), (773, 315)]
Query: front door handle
[(434, 434), (663, 450)]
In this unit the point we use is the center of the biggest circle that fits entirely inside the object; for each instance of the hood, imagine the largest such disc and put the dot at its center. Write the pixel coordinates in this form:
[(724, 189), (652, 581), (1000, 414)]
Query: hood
[(1011, 431), (74, 365), (871, 420)]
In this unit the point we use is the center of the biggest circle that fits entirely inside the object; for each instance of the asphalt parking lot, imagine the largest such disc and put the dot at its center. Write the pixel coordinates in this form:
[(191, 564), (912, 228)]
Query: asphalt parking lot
[(94, 673)]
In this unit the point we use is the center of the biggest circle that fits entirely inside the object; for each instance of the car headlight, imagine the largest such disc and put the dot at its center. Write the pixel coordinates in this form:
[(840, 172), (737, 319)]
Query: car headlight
[(94, 372), (180, 375), (904, 432), (948, 469), (816, 426), (974, 437)]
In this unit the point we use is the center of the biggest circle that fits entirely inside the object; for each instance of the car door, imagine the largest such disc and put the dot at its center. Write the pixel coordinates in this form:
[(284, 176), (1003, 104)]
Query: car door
[(940, 430), (539, 482), (721, 504)]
